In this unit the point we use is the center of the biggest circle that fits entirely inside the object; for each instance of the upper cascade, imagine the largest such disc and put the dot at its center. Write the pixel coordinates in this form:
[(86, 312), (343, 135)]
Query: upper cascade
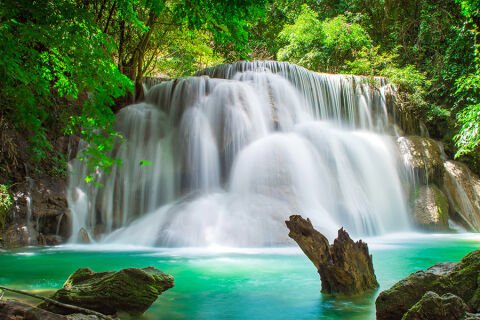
[(347, 99), (237, 149)]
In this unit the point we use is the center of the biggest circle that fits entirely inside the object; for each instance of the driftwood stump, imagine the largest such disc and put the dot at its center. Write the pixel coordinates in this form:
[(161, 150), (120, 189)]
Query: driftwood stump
[(129, 291), (344, 267)]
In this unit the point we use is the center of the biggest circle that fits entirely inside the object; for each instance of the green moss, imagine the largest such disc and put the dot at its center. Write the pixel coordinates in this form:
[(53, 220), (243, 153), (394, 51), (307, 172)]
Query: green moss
[(442, 204), (461, 279), (130, 290)]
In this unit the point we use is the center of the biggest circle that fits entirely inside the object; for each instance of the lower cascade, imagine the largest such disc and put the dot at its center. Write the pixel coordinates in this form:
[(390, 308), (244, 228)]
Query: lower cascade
[(225, 157)]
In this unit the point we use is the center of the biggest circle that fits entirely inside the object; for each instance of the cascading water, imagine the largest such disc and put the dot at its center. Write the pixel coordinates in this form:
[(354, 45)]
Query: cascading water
[(232, 155)]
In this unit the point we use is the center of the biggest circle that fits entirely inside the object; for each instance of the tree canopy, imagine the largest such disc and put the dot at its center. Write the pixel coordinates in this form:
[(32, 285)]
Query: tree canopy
[(68, 65)]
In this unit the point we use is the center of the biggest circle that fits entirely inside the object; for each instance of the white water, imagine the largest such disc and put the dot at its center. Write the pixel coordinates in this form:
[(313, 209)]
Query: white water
[(232, 159)]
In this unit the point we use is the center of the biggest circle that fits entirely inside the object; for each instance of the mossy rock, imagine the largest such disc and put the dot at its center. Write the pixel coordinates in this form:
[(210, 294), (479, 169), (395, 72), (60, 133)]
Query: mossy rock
[(431, 208), (460, 279), (433, 306), (424, 157), (130, 291)]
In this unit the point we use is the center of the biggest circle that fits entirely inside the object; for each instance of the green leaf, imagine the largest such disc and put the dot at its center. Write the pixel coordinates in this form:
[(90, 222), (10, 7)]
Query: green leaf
[(145, 163)]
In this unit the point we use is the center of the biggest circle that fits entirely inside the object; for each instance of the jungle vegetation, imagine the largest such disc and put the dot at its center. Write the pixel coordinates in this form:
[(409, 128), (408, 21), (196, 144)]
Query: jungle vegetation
[(67, 66)]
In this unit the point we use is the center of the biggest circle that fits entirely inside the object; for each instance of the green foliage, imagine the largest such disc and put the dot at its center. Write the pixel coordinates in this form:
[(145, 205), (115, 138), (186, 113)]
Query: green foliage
[(470, 8), (6, 203), (339, 44), (58, 166), (429, 49), (468, 139), (228, 21), (343, 40), (323, 46), (468, 119), (468, 88), (302, 39), (410, 83), (182, 52), (85, 57), (411, 89), (67, 65), (371, 62), (145, 163), (47, 55)]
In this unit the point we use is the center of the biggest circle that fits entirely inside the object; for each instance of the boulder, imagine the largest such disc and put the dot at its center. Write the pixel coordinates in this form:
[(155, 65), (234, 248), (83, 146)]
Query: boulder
[(344, 267), (459, 279), (129, 291), (424, 157), (462, 188), (431, 208), (432, 306)]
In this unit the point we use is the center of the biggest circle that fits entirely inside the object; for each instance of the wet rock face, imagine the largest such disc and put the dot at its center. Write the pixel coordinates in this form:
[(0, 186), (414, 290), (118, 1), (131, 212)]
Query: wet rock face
[(344, 267), (49, 205), (129, 291), (426, 161), (459, 279), (49, 222), (462, 188), (15, 236), (431, 208), (423, 156)]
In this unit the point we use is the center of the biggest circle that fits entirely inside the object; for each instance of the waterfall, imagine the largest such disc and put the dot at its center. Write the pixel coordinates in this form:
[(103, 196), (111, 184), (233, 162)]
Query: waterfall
[(235, 150)]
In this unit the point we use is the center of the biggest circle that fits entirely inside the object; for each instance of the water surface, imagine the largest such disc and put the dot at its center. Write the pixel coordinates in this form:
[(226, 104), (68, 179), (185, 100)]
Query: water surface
[(248, 283)]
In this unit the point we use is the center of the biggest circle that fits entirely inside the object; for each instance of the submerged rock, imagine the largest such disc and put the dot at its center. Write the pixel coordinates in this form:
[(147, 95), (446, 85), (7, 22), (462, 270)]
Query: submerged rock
[(462, 188), (129, 291), (459, 279), (432, 306), (12, 309), (423, 156), (344, 267), (79, 316), (431, 208)]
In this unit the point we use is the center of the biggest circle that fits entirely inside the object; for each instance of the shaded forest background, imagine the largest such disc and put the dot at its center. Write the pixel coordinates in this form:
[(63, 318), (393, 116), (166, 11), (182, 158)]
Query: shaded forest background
[(67, 66)]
